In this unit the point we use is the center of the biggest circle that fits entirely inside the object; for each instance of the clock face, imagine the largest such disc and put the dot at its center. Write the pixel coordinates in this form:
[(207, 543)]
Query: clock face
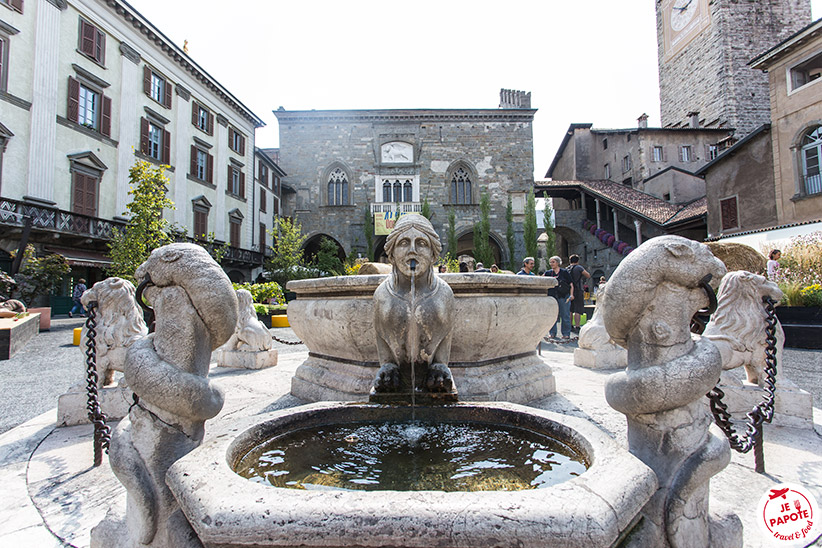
[(681, 13)]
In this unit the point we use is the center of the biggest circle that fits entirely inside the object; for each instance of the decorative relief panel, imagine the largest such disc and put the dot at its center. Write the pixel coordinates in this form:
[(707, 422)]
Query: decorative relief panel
[(397, 152)]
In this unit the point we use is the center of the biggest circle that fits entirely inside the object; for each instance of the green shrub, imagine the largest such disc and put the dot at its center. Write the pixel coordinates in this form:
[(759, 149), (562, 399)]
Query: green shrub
[(263, 293)]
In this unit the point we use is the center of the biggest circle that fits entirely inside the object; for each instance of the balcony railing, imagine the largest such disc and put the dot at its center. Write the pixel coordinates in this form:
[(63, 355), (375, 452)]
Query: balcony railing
[(13, 212), (402, 207), (813, 184)]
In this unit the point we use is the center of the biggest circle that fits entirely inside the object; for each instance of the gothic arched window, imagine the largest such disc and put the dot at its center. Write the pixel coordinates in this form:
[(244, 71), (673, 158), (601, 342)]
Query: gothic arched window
[(461, 187), (337, 188), (397, 191), (407, 191), (386, 191), (812, 160)]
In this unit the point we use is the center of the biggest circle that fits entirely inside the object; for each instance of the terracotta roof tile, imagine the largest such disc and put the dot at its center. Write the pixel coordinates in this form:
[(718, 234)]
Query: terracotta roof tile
[(652, 208)]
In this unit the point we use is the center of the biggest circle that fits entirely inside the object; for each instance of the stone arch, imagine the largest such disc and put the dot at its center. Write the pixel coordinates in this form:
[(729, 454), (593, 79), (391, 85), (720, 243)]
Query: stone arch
[(567, 240), (338, 175), (465, 245), (312, 246), (455, 175)]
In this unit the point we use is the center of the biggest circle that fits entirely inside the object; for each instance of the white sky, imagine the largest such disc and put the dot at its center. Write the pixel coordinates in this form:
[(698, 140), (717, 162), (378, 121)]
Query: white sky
[(593, 61)]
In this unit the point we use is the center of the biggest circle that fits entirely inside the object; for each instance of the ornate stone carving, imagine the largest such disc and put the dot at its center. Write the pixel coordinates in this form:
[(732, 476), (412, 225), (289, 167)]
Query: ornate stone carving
[(250, 345), (397, 152), (651, 298), (413, 317), (196, 311), (119, 324)]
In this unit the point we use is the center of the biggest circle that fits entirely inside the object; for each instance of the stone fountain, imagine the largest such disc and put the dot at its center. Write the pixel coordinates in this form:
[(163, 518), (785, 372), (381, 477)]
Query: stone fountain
[(654, 495)]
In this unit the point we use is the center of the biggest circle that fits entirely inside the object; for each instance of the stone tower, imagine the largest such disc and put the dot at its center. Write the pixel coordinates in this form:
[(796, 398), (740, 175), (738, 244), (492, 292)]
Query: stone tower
[(704, 47)]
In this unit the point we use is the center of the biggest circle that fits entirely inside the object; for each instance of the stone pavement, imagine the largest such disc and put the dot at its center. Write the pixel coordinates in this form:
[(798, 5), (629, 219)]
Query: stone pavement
[(52, 496)]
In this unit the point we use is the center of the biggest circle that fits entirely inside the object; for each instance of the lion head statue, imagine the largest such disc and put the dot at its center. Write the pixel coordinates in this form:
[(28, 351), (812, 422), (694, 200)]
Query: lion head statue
[(738, 325), (119, 323)]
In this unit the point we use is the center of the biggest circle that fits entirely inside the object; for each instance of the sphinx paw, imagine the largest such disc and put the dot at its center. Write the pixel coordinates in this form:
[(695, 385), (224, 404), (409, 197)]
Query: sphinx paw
[(439, 378), (388, 378)]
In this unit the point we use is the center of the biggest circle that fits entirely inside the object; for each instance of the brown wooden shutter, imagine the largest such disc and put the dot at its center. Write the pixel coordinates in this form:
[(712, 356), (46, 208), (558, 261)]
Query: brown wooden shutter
[(100, 38), (166, 147), (195, 111), (88, 36), (242, 184), (728, 213), (210, 168), (242, 145), (144, 135), (167, 97), (105, 122), (263, 200), (192, 168), (210, 124), (147, 80), (231, 138), (18, 5), (230, 180), (73, 99)]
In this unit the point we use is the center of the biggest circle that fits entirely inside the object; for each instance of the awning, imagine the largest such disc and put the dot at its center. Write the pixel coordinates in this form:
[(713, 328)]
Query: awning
[(81, 257)]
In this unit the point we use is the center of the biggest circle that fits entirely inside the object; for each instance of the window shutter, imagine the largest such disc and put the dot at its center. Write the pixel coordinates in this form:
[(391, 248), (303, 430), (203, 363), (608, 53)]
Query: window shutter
[(192, 168), (231, 138), (73, 99), (195, 111), (210, 168), (167, 97), (100, 42), (210, 124), (263, 200), (105, 123), (18, 5), (242, 145), (144, 135), (242, 184), (230, 180), (166, 147), (147, 80), (88, 39), (79, 196)]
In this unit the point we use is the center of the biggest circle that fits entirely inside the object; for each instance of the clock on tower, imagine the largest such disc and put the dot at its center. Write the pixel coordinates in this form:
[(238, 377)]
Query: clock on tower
[(682, 21)]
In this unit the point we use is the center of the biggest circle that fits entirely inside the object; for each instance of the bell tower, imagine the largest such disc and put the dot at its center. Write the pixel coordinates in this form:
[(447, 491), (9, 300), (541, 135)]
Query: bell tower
[(704, 47)]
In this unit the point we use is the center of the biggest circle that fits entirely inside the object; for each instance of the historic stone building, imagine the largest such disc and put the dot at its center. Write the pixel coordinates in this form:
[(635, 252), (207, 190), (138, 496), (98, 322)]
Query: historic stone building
[(89, 87), (340, 162), (704, 49)]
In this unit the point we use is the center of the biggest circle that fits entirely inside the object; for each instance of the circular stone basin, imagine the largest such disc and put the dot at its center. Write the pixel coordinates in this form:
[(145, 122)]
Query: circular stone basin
[(412, 456), (591, 509)]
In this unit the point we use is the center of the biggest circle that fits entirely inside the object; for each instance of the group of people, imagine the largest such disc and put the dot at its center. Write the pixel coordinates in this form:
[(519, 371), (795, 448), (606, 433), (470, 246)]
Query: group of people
[(568, 292)]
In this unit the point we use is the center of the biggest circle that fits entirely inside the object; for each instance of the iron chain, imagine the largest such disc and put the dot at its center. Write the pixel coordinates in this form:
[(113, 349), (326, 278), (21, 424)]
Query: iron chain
[(762, 412), (283, 341), (102, 432)]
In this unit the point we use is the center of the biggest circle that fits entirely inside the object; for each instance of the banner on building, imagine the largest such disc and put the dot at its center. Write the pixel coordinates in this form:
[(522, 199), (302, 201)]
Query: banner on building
[(384, 222)]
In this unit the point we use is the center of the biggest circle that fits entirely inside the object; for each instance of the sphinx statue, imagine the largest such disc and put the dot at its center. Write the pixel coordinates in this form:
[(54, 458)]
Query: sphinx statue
[(195, 312), (651, 298), (413, 318)]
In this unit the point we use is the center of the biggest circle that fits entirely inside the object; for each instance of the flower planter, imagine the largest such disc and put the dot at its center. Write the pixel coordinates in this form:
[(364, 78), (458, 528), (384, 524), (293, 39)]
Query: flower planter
[(802, 326), (45, 316)]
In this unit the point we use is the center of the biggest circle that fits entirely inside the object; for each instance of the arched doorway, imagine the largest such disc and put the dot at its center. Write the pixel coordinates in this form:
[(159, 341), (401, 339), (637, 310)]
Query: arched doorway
[(312, 246), (465, 246)]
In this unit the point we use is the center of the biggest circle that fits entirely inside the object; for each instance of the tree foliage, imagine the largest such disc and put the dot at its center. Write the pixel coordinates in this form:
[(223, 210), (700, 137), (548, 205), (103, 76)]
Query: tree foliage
[(551, 238), (509, 234), (146, 229), (288, 242), (452, 234), (530, 225), (327, 259), (426, 209), (38, 276), (482, 233), (369, 232)]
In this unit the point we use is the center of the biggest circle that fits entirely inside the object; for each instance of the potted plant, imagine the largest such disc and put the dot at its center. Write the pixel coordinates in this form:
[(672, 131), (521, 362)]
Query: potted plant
[(39, 276), (800, 278)]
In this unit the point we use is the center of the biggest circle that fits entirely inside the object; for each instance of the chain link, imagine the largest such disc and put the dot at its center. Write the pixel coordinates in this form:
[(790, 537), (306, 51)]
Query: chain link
[(102, 432), (763, 411), (283, 341)]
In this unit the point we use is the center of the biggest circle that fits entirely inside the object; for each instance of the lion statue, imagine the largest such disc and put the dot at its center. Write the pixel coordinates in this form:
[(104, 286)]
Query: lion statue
[(737, 327), (119, 324), (250, 335)]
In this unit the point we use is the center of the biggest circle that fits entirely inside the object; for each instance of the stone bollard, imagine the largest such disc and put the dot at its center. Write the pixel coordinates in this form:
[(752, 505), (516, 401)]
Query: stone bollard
[(196, 311), (650, 301)]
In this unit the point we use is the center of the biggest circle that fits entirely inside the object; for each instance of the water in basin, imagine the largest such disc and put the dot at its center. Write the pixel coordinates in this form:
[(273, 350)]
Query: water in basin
[(412, 456)]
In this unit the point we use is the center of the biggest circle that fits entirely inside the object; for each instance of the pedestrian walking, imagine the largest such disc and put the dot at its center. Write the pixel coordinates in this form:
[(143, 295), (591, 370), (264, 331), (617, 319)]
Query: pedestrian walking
[(563, 292), (76, 295), (578, 274)]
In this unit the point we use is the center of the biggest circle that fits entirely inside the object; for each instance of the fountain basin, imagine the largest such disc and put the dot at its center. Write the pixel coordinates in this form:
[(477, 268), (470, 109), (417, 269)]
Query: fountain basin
[(594, 509), (500, 320)]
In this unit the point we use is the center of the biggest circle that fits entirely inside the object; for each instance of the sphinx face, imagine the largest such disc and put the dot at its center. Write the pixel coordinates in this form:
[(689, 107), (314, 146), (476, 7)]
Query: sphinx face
[(412, 253)]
